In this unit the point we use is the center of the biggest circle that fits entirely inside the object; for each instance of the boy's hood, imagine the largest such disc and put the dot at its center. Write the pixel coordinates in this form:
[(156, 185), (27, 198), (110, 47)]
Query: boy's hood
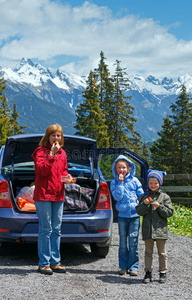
[(131, 164)]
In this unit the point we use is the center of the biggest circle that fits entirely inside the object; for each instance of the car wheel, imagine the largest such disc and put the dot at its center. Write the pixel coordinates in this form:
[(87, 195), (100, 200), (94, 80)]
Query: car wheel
[(99, 251)]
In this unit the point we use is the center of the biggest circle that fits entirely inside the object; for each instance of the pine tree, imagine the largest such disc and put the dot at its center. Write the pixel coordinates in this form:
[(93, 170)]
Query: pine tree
[(162, 150), (123, 120), (14, 121), (106, 92), (182, 123), (145, 152), (2, 86), (5, 125), (172, 150), (90, 120), (116, 122), (8, 122)]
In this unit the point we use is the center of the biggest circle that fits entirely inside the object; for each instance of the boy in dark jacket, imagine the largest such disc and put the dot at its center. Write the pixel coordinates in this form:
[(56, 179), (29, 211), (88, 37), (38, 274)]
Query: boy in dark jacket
[(155, 207)]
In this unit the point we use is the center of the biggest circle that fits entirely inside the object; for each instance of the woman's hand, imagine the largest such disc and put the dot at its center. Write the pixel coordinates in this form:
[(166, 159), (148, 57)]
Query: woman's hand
[(68, 178), (54, 148)]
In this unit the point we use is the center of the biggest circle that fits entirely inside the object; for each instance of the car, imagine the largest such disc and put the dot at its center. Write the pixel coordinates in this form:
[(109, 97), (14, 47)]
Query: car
[(92, 169)]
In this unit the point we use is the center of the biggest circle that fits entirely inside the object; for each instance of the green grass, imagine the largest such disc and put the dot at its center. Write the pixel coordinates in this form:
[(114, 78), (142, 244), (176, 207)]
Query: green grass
[(181, 221)]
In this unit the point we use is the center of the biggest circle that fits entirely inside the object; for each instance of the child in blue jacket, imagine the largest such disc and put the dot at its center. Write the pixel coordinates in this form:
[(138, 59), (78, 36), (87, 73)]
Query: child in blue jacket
[(125, 189)]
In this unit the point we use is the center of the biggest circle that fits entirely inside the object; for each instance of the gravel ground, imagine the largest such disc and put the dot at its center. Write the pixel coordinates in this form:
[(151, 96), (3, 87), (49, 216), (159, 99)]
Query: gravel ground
[(88, 277)]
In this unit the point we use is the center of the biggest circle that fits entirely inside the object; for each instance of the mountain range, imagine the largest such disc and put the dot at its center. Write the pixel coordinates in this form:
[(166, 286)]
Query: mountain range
[(45, 96)]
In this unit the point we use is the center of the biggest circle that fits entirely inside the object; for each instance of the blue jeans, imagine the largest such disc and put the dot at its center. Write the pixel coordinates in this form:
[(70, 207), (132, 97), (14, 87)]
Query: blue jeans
[(128, 244), (50, 218)]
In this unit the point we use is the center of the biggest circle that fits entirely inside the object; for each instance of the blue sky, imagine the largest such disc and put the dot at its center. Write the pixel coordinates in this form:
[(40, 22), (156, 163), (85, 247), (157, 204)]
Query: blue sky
[(175, 14), (149, 37)]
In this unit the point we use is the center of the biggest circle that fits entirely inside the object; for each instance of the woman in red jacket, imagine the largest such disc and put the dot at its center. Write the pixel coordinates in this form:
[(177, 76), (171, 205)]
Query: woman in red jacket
[(50, 165)]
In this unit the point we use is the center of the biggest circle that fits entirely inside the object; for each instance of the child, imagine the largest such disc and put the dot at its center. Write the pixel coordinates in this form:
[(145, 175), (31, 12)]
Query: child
[(155, 207), (125, 189)]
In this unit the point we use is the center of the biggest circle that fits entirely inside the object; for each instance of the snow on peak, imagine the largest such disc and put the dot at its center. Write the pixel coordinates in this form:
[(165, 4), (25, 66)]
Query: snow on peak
[(35, 74), (24, 61), (150, 84), (187, 81), (157, 86)]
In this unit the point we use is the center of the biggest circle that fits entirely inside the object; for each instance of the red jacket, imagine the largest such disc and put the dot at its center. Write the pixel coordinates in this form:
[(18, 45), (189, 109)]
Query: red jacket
[(48, 170)]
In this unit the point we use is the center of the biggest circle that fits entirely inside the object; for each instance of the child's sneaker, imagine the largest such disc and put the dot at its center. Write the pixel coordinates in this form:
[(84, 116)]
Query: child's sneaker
[(147, 278), (134, 273), (162, 277), (122, 271)]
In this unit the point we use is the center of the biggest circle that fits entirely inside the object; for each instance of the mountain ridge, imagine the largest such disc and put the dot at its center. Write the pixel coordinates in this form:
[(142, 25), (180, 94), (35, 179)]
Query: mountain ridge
[(46, 96)]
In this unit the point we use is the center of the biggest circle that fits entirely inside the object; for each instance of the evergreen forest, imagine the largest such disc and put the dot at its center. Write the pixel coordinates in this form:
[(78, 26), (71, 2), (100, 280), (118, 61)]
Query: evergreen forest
[(107, 115)]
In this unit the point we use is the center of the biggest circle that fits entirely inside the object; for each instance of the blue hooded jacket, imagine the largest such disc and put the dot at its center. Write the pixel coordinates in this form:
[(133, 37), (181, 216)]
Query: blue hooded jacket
[(126, 192)]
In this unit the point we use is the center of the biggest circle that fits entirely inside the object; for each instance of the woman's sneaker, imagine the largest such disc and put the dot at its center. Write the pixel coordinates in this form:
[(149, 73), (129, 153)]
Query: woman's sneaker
[(45, 270), (58, 269), (147, 278), (162, 277)]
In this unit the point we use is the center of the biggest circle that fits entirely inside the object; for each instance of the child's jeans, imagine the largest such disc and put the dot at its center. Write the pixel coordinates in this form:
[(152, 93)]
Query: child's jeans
[(128, 244), (161, 248)]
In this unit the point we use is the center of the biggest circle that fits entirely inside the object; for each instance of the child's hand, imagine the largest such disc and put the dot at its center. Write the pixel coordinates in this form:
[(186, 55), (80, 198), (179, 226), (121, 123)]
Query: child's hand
[(121, 177), (147, 201), (155, 204)]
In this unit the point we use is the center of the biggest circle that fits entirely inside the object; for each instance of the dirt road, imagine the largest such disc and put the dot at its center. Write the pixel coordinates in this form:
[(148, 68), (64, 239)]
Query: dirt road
[(88, 277)]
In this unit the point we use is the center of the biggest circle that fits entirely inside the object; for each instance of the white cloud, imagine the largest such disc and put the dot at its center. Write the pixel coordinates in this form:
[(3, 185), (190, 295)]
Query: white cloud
[(44, 30)]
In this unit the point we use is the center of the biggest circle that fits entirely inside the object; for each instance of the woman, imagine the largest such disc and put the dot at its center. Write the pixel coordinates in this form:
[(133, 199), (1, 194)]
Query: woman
[(50, 165)]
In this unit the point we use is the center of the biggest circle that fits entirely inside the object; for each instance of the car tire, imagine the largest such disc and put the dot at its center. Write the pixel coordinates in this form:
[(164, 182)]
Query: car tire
[(99, 251)]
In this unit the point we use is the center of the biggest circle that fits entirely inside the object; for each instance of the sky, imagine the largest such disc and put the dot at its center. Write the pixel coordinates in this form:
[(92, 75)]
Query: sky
[(148, 37)]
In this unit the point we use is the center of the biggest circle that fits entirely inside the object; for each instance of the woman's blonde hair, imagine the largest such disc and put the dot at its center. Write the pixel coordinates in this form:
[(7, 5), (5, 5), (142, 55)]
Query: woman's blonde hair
[(52, 129)]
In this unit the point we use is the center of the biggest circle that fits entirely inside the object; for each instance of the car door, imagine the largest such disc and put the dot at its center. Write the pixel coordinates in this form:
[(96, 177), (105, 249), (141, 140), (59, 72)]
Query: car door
[(106, 158)]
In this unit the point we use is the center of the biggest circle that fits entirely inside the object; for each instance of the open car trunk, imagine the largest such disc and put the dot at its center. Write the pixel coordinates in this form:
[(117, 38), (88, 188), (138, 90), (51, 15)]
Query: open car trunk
[(18, 168), (79, 196)]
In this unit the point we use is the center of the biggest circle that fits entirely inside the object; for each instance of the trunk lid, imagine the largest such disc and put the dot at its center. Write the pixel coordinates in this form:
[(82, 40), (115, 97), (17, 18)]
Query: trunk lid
[(19, 148)]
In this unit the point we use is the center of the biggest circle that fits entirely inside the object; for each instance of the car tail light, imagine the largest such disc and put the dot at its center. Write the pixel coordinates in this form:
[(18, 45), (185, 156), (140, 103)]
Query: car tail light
[(104, 199), (4, 230), (5, 199)]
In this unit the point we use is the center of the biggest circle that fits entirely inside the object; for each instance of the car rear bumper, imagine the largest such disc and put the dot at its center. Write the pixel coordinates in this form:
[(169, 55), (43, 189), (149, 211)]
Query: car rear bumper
[(76, 228)]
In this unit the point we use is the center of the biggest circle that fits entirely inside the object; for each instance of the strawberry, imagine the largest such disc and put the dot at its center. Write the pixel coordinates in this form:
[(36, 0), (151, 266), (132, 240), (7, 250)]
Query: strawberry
[(150, 199)]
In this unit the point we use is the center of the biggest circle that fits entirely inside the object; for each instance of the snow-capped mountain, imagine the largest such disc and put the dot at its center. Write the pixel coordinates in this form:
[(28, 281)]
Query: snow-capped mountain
[(151, 98), (43, 96), (46, 96)]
